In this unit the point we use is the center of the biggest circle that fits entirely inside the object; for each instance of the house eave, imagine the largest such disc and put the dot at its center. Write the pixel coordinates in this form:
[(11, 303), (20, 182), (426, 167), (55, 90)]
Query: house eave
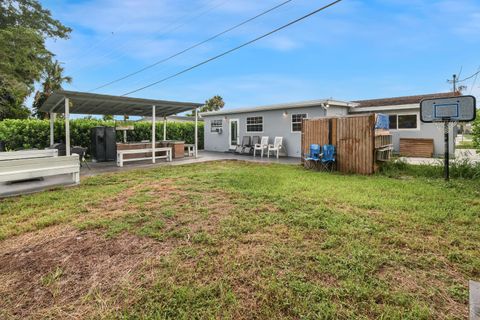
[(284, 106), (385, 108)]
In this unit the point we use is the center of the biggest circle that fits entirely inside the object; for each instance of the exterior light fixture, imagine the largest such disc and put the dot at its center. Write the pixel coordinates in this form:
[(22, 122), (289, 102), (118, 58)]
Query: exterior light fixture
[(285, 113)]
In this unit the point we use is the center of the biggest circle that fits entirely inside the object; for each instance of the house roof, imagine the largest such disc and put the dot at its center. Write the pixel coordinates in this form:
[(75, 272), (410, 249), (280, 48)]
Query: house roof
[(282, 106), (406, 100), (92, 103)]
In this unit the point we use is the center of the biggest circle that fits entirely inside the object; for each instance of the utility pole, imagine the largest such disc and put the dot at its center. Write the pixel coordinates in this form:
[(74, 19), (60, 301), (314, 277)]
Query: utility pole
[(454, 81)]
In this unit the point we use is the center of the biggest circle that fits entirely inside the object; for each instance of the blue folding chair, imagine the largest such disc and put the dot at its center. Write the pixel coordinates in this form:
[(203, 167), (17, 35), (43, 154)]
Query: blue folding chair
[(328, 157), (314, 156)]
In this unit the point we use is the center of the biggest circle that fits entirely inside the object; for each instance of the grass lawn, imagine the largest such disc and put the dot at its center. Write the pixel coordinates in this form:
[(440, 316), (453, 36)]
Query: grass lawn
[(234, 240), (465, 145)]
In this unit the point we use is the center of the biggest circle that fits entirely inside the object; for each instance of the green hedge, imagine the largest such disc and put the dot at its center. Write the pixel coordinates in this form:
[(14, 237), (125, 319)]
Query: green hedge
[(32, 133)]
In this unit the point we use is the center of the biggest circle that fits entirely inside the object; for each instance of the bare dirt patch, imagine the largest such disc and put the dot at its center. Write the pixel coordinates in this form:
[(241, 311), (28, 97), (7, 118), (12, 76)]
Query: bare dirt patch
[(63, 272)]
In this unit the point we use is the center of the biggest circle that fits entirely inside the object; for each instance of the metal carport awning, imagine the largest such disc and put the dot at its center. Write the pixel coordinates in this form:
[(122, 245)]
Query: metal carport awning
[(101, 104), (73, 102)]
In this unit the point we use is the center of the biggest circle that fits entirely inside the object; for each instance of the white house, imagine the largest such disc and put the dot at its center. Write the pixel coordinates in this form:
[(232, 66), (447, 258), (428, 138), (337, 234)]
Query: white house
[(224, 129)]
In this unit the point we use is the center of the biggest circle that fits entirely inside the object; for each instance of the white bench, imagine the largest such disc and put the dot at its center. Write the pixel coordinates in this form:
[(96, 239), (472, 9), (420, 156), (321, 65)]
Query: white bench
[(55, 170), (28, 154), (121, 153), (190, 149)]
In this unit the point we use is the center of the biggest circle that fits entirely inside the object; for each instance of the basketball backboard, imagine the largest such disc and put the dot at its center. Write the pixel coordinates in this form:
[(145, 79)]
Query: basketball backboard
[(458, 109)]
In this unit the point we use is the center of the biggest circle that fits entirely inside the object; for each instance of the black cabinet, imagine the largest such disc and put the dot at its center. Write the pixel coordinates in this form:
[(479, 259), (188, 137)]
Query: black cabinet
[(104, 146)]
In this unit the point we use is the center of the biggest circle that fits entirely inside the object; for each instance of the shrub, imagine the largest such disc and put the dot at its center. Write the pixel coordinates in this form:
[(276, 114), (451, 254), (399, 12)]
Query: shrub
[(459, 168), (33, 133), (476, 131)]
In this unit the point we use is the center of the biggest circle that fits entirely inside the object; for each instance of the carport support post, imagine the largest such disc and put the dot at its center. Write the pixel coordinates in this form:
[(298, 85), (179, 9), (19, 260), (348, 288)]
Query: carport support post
[(447, 151), (153, 133), (196, 133), (164, 128), (67, 126), (52, 128)]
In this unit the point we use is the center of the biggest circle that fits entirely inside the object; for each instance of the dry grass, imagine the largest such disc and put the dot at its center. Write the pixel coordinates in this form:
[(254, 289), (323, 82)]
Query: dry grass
[(240, 241), (62, 272)]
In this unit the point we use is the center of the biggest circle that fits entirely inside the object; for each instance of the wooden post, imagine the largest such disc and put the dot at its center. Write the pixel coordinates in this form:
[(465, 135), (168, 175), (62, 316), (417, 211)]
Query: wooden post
[(67, 126), (153, 134)]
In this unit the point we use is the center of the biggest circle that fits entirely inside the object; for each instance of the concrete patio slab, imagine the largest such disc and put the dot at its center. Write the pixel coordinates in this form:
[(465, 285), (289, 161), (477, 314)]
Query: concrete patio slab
[(203, 156)]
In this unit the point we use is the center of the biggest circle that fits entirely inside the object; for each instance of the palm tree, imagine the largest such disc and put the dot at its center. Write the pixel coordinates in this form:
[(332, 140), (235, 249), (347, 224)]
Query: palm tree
[(53, 80)]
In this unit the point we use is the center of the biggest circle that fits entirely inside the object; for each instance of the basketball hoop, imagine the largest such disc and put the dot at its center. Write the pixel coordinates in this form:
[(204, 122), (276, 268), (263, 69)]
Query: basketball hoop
[(447, 113)]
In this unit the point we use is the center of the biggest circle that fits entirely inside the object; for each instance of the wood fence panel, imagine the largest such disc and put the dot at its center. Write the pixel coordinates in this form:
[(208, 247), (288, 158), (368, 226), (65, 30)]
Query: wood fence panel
[(352, 136), (355, 144), (314, 131)]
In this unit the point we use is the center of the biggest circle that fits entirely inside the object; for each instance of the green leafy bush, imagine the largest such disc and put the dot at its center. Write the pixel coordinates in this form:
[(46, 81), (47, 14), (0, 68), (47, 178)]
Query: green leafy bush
[(476, 131), (33, 133)]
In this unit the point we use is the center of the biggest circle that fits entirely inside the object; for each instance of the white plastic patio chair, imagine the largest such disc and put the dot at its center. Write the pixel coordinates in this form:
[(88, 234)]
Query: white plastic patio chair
[(261, 146), (276, 146)]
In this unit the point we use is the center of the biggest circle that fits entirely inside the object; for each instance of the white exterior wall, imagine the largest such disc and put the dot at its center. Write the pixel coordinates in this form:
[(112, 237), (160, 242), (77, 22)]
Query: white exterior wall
[(424, 131), (275, 123)]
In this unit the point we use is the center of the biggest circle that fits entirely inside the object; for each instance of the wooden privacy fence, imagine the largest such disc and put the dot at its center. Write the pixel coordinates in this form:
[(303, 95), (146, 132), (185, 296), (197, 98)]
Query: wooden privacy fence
[(354, 138)]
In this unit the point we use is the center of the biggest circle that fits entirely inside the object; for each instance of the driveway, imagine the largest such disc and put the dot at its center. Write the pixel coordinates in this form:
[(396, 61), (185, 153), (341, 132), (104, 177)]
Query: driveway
[(460, 154)]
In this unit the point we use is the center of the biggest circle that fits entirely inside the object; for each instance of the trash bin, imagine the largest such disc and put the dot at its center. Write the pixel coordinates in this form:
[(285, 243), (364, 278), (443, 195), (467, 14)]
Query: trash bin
[(2, 146)]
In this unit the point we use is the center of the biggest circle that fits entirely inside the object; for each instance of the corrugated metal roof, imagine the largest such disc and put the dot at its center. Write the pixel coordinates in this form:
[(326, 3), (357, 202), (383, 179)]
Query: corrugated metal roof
[(92, 103)]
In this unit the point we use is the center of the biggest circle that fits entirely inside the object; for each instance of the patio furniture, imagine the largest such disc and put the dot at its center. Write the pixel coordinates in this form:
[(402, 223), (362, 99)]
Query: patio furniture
[(28, 154), (275, 147), (328, 157), (178, 148), (255, 140), (61, 147), (313, 157), (82, 152), (190, 149), (245, 143), (121, 153), (22, 172), (261, 146)]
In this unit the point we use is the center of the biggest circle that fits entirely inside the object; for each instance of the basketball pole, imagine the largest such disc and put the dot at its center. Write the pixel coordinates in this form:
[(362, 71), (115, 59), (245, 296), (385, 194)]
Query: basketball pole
[(447, 151)]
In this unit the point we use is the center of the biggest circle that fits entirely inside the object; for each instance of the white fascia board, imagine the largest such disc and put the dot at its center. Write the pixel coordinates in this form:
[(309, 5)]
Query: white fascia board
[(386, 108), (283, 106)]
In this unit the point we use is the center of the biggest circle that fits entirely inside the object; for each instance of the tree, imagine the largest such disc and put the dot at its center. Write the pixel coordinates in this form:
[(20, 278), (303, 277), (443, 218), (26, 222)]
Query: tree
[(53, 80), (24, 27), (213, 104)]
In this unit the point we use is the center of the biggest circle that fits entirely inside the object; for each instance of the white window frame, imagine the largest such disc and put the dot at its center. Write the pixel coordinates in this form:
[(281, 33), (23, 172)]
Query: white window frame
[(291, 121), (214, 132), (417, 114), (246, 124)]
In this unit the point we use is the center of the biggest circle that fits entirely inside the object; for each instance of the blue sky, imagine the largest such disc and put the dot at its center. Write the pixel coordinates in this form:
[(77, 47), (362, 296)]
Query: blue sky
[(354, 50)]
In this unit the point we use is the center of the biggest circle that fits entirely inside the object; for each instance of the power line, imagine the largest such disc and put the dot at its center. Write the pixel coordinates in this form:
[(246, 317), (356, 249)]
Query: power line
[(470, 77), (474, 80), (191, 47), (236, 48), (177, 24), (467, 78)]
